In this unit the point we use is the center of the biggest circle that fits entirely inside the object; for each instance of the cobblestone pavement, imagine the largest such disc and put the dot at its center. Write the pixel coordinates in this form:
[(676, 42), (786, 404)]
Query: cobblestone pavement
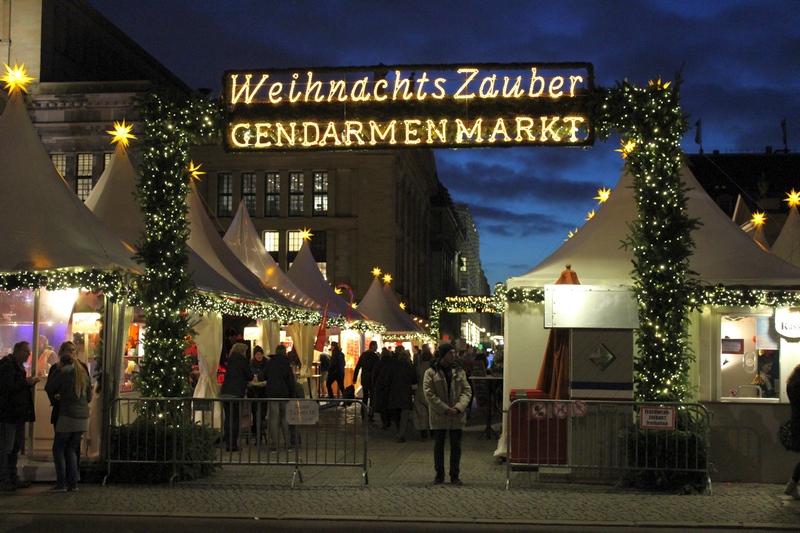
[(400, 489)]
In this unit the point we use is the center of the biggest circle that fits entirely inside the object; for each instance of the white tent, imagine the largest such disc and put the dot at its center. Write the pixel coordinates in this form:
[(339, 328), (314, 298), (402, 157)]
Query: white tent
[(305, 273), (206, 241), (243, 239), (724, 254), (113, 201), (787, 245), (379, 308), (46, 225)]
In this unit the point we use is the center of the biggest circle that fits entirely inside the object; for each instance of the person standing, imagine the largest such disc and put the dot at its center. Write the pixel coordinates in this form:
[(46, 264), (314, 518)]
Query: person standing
[(280, 380), (447, 390), (258, 410), (238, 375), (381, 380), (336, 370), (793, 392), (324, 367), (401, 392), (366, 365), (72, 387), (16, 408)]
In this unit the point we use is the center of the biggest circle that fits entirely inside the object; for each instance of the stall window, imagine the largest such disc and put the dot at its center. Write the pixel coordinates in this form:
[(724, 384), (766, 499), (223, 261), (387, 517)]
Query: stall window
[(320, 193), (249, 192), (272, 194), (224, 194), (296, 190), (749, 357)]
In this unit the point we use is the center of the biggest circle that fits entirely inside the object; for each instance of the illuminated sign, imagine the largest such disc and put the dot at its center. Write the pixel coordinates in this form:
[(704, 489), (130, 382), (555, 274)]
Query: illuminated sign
[(430, 106)]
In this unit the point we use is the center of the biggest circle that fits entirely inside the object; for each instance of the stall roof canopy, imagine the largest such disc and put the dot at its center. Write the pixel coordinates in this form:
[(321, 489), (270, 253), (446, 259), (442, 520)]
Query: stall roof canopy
[(724, 254), (378, 307), (114, 202), (46, 226), (243, 239), (305, 273)]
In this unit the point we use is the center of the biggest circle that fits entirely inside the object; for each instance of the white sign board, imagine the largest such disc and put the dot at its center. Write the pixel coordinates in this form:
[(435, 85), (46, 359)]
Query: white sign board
[(590, 306), (302, 412), (657, 418)]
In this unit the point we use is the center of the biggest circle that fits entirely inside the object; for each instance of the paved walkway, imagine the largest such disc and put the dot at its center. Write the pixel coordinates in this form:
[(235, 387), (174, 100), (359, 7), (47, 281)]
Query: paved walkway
[(400, 490)]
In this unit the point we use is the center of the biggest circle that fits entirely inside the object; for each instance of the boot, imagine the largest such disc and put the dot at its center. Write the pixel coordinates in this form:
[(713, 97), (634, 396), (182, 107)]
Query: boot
[(791, 490)]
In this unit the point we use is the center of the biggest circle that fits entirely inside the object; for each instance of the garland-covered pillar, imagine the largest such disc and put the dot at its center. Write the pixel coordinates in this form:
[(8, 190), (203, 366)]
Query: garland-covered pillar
[(651, 126)]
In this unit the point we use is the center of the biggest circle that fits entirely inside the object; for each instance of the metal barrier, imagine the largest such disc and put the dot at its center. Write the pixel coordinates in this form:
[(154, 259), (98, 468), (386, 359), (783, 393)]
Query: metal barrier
[(607, 439), (183, 432)]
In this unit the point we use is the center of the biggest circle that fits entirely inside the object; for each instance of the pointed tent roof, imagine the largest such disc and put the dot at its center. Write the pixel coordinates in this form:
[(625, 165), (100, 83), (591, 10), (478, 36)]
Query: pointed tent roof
[(114, 202), (399, 312), (46, 225), (787, 245), (376, 306), (206, 241), (723, 254), (242, 238), (305, 273)]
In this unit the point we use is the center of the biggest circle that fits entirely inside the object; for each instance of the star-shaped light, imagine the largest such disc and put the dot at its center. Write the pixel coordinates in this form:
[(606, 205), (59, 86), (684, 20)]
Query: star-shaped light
[(792, 198), (121, 133), (602, 195), (194, 170), (758, 219), (387, 278), (354, 305), (337, 290), (305, 234), (402, 306), (571, 234), (376, 271), (590, 215), (627, 148), (658, 85), (16, 78)]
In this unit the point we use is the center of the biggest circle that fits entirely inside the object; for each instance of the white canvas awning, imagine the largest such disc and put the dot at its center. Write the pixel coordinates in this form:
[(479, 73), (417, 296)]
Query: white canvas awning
[(378, 307)]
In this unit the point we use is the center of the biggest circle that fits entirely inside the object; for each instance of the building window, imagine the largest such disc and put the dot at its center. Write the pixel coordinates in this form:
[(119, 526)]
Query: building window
[(106, 160), (84, 184), (320, 193), (60, 162), (272, 243), (249, 192), (319, 249), (272, 194), (224, 194), (83, 187), (295, 241), (295, 194)]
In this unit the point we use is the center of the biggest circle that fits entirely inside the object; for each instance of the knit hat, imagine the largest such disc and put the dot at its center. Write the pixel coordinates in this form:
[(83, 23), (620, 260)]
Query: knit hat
[(444, 348)]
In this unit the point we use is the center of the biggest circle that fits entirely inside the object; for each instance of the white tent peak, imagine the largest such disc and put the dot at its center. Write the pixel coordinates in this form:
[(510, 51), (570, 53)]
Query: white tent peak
[(47, 225), (243, 240), (379, 307), (787, 245), (723, 254), (305, 273)]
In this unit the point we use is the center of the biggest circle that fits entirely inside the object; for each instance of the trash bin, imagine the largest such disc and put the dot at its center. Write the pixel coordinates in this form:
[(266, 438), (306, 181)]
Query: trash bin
[(538, 437)]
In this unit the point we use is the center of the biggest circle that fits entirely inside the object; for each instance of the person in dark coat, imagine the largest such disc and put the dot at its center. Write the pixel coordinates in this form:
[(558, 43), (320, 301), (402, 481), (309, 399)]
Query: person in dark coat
[(16, 408), (324, 367), (238, 375), (381, 381), (401, 392), (280, 380), (366, 365), (258, 410), (793, 392), (336, 370), (421, 417)]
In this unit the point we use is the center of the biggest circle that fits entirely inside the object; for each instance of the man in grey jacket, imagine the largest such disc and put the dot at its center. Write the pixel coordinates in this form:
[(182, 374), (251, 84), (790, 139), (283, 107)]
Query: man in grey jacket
[(447, 390)]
